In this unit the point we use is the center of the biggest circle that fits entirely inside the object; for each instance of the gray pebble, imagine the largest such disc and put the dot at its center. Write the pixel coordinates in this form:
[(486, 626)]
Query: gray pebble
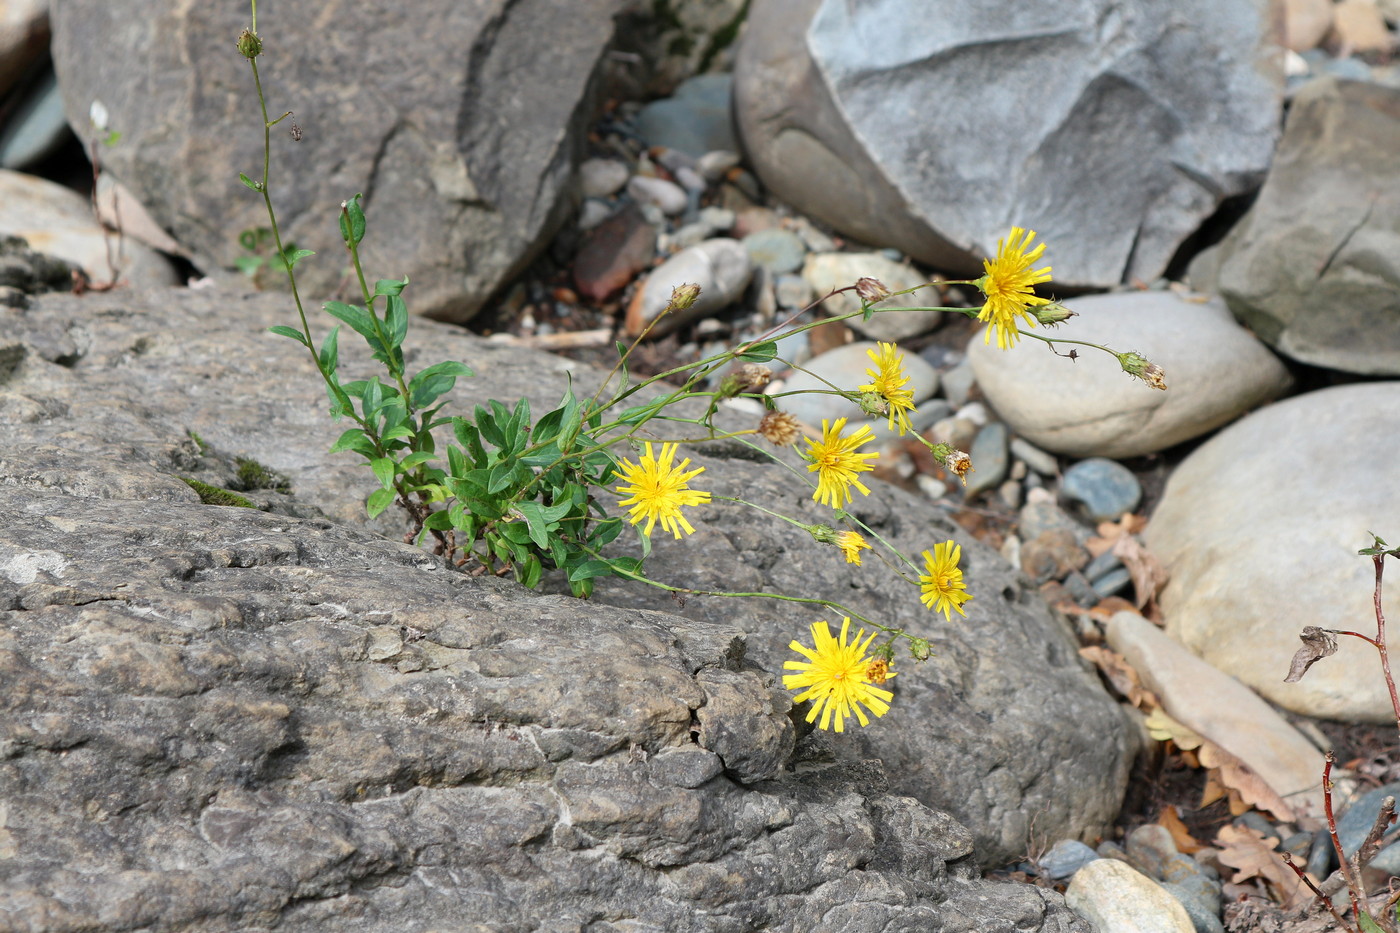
[(1202, 917), (1080, 589), (1356, 822), (1103, 488), (1323, 858), (793, 292), (1032, 456), (1102, 564), (1065, 858), (989, 458), (958, 382), (718, 219), (1113, 582), (781, 251)]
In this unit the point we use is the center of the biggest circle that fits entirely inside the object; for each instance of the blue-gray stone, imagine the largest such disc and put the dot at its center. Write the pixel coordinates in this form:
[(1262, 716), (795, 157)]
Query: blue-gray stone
[(1113, 582), (989, 458), (1080, 589), (1032, 456), (1356, 822), (1099, 565), (36, 128), (1351, 69), (1103, 488), (1065, 858), (696, 119), (1255, 821), (1203, 919), (1323, 858), (780, 251), (957, 383)]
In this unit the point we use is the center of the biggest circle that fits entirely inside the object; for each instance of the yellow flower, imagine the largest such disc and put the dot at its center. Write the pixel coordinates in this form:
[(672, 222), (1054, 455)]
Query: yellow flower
[(836, 677), (1009, 287), (942, 587), (851, 544), (657, 490), (836, 462), (888, 380)]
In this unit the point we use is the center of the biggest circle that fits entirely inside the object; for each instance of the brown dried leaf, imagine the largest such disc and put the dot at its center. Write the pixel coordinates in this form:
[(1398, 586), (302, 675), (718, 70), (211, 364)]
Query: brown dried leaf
[(1110, 532), (1252, 856), (1118, 672), (1147, 572), (1235, 778), (1185, 843), (1317, 644), (1163, 728)]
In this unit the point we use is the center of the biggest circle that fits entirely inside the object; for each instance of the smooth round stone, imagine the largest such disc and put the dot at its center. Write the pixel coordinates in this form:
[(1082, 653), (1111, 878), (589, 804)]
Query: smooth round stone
[(593, 213), (602, 178), (667, 195), (1116, 897), (1259, 529), (24, 31), (58, 222), (718, 219), (714, 164), (958, 382), (793, 292), (1215, 371), (36, 128), (780, 251), (827, 271), (720, 267), (1065, 858), (989, 460), (1111, 583), (1103, 489), (1032, 456), (845, 367), (695, 119), (1041, 514)]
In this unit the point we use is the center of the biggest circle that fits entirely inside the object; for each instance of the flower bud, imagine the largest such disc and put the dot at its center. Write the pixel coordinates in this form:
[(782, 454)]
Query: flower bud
[(873, 404), (822, 534), (1139, 367), (779, 429), (249, 45), (871, 290), (919, 649), (682, 297), (1052, 314)]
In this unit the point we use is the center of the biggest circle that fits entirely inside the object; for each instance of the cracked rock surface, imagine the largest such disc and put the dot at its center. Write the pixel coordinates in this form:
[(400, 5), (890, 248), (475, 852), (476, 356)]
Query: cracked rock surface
[(222, 718)]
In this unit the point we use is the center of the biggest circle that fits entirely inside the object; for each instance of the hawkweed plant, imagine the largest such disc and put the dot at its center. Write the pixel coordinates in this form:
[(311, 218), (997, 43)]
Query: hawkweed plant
[(513, 493)]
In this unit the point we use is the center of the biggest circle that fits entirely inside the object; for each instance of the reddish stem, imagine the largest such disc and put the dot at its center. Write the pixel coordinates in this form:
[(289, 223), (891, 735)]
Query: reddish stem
[(1348, 870), (1379, 560)]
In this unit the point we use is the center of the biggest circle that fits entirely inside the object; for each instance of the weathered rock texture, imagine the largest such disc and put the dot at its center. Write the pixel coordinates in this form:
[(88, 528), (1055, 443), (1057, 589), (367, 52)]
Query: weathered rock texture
[(1313, 267), (1004, 728), (1112, 129), (457, 121)]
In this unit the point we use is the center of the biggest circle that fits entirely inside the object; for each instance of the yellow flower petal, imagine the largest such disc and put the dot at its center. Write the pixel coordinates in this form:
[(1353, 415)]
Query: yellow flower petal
[(1009, 287), (836, 676), (656, 490), (942, 588)]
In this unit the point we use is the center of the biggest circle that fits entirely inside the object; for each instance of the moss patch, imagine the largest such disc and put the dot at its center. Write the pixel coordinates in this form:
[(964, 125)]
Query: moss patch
[(213, 495), (253, 475)]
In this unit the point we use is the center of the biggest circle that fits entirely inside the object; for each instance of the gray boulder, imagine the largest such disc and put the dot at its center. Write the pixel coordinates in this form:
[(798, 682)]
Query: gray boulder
[(1112, 129), (458, 130), (1312, 268), (1003, 728)]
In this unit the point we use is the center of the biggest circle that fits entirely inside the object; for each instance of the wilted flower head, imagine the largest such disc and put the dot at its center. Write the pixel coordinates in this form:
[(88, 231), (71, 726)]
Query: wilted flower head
[(1138, 366), (871, 290), (779, 429), (959, 464), (754, 376), (851, 544)]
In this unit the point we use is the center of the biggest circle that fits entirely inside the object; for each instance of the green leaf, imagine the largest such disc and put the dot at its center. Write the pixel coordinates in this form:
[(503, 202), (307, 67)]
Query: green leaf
[(284, 331), (249, 183), (383, 468), (340, 402), (486, 424), (373, 398), (413, 459), (356, 440), (438, 521), (637, 413), (760, 352), (352, 221), (389, 286), (529, 575), (1368, 924), (470, 438), (396, 321), (358, 318), (589, 569), (378, 501), (295, 256), (435, 381), (249, 265), (330, 350), (398, 430), (535, 522), (500, 476)]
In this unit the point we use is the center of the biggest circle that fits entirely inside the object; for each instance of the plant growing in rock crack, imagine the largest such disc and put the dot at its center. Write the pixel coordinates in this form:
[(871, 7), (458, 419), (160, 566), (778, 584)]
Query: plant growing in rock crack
[(1319, 643), (519, 494)]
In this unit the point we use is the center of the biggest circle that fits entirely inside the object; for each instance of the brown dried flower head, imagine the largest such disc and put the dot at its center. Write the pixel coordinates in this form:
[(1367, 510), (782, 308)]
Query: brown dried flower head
[(1139, 367), (960, 464), (754, 376), (779, 428), (871, 290), (878, 671)]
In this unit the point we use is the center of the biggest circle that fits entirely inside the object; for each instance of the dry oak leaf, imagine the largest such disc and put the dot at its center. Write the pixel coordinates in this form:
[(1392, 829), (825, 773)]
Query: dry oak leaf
[(1118, 672), (1110, 532), (1229, 770), (1147, 572), (1252, 856), (1186, 843)]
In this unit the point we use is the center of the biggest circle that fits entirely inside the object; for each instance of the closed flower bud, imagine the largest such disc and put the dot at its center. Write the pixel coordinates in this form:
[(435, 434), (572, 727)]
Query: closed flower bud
[(871, 290), (682, 297), (249, 45), (779, 428), (822, 534), (873, 404), (919, 649), (1052, 314), (1139, 367)]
